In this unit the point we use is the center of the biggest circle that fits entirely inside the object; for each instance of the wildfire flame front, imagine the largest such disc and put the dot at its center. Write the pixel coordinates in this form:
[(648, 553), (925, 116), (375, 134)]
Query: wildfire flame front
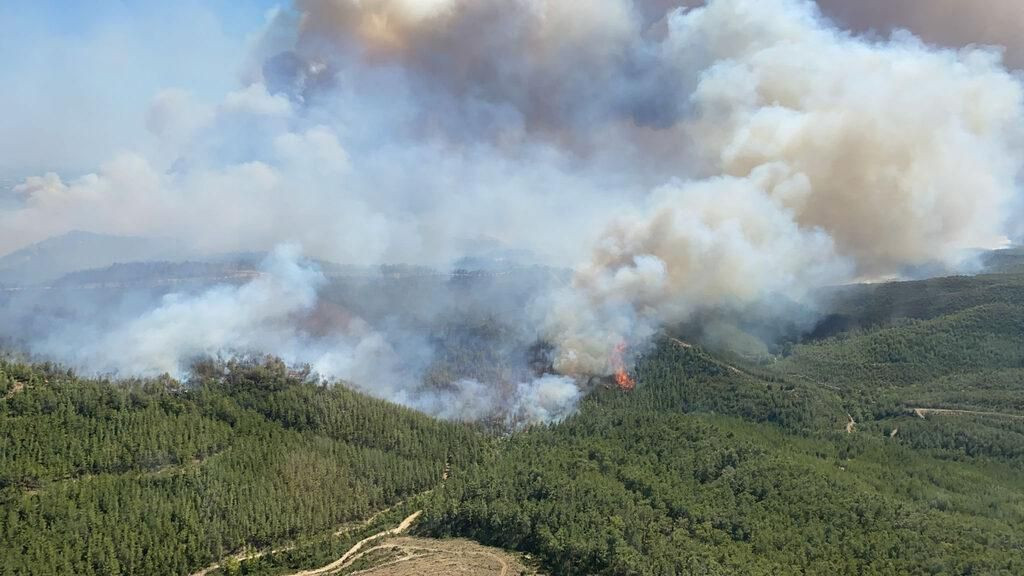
[(623, 380)]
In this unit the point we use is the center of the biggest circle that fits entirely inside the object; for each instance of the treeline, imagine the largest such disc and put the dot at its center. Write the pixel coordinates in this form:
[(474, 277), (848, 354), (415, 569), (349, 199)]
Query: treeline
[(811, 464), (713, 466), (656, 483), (913, 351), (969, 359), (158, 477), (873, 306)]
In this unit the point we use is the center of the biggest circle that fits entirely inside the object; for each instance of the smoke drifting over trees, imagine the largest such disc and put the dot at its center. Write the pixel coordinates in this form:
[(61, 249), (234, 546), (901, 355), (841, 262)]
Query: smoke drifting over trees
[(679, 160)]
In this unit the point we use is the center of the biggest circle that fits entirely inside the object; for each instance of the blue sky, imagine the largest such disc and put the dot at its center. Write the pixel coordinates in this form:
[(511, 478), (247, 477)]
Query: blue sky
[(78, 16), (77, 76)]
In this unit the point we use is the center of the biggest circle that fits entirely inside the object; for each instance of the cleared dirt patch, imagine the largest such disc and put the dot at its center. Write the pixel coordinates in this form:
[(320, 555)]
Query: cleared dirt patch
[(428, 557), (353, 552), (15, 388)]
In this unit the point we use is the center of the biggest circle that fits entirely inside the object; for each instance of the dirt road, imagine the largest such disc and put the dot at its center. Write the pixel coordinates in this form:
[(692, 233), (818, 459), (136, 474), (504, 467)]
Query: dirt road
[(347, 556), (729, 367), (680, 343), (923, 412), (242, 556)]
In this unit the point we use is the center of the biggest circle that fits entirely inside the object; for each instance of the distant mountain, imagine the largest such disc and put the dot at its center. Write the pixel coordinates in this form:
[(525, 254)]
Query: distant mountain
[(1006, 261), (143, 274), (495, 260), (60, 255)]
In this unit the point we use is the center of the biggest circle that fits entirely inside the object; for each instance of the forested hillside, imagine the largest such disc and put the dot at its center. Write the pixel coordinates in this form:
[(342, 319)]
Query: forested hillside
[(157, 477), (893, 445), (895, 448)]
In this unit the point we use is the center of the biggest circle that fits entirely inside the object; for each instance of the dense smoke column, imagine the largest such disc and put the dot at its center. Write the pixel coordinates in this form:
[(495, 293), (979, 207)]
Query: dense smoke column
[(836, 161), (683, 160), (951, 23)]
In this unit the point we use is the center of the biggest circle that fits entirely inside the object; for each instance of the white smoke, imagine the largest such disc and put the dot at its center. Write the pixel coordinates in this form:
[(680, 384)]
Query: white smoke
[(253, 317), (721, 242), (840, 158), (549, 398), (681, 159), (265, 314)]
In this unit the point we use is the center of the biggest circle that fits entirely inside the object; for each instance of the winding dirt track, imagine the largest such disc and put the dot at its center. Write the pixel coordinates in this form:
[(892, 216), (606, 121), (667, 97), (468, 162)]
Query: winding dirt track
[(347, 557), (243, 556), (729, 367), (348, 527), (923, 412)]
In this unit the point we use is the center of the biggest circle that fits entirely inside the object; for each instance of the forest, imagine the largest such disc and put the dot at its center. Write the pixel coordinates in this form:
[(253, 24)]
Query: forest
[(160, 477), (889, 440)]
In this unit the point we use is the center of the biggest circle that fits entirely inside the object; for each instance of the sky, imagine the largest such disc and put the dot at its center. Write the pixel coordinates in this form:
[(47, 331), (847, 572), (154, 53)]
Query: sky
[(75, 17), (733, 157), (78, 77)]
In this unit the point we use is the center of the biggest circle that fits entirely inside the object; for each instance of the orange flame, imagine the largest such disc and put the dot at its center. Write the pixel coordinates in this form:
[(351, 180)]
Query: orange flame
[(624, 381)]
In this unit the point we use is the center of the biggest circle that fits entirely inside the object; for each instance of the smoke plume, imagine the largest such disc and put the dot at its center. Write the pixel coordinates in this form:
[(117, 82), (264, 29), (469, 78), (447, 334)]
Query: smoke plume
[(944, 22), (727, 156), (838, 157)]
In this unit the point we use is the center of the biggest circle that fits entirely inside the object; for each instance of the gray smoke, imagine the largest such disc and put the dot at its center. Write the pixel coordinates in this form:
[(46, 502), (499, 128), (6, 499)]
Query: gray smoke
[(681, 160), (945, 22), (840, 158)]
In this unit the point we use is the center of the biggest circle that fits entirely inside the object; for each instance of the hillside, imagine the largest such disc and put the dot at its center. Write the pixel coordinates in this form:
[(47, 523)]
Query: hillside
[(824, 462), (512, 287), (54, 257), (155, 478), (894, 446)]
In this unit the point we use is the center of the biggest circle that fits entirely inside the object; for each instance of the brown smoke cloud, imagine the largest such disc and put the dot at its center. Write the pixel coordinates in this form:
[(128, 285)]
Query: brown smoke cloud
[(838, 158), (807, 154), (943, 22), (952, 23), (497, 71), (725, 156)]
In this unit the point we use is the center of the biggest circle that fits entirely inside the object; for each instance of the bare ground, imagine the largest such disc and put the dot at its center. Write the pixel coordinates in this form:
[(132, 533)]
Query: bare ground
[(427, 557), (349, 556), (15, 388)]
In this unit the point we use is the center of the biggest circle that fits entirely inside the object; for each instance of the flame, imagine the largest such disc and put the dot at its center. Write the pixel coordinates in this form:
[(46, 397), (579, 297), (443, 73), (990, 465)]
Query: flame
[(622, 378)]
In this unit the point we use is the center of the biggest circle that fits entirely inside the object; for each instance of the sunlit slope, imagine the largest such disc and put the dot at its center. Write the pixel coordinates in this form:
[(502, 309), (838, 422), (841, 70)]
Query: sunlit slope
[(148, 478), (826, 461)]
